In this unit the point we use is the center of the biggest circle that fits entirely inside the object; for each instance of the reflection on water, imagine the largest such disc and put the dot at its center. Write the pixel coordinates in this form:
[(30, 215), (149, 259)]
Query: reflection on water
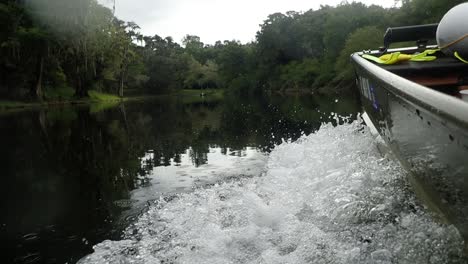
[(75, 176)]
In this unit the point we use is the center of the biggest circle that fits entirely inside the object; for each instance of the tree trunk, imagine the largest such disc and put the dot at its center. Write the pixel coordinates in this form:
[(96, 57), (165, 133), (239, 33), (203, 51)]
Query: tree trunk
[(81, 89), (121, 84), (37, 88), (123, 68), (77, 83)]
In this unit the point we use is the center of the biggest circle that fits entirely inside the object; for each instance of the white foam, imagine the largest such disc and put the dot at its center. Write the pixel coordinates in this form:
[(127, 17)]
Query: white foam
[(327, 198)]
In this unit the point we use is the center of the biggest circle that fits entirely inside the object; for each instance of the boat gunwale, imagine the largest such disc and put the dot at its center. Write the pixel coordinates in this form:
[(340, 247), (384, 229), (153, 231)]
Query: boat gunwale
[(434, 101)]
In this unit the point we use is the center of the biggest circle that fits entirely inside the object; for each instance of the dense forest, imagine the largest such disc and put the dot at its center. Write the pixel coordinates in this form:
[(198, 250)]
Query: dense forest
[(60, 49)]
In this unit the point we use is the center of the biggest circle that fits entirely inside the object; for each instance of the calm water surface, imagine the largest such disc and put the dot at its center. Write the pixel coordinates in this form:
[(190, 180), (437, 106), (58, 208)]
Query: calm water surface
[(75, 176)]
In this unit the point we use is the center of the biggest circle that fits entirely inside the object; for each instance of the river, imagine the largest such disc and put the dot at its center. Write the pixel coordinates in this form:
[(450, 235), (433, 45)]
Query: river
[(272, 179)]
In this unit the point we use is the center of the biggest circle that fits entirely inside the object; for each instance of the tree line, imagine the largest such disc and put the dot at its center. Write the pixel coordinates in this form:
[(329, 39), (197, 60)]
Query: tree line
[(57, 49)]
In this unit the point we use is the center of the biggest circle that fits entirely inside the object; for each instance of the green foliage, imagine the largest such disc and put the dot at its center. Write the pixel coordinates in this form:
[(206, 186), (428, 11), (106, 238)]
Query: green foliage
[(49, 48), (425, 11), (288, 43), (301, 50), (241, 85), (98, 96), (299, 75), (234, 60), (51, 45), (366, 38), (202, 76), (194, 47), (53, 93), (166, 64)]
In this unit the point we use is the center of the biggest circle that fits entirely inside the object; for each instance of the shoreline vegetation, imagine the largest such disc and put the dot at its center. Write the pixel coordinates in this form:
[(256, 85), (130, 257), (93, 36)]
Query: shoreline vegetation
[(104, 100), (94, 97), (56, 52)]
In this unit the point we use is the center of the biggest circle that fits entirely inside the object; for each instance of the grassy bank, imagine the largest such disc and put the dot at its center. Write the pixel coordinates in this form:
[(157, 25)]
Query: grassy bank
[(100, 101), (94, 97)]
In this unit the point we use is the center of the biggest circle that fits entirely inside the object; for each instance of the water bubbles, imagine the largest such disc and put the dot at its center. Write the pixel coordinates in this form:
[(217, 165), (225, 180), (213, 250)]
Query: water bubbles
[(327, 198), (381, 256)]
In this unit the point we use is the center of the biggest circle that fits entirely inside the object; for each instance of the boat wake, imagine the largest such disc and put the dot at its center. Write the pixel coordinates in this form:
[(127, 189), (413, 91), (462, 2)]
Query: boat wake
[(327, 198)]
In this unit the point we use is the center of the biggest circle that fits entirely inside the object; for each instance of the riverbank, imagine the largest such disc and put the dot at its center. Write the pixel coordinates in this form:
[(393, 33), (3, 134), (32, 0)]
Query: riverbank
[(94, 97), (101, 100), (205, 95)]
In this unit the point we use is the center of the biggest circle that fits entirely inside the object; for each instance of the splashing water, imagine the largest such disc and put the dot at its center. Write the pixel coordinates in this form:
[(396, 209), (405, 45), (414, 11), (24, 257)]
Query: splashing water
[(327, 198)]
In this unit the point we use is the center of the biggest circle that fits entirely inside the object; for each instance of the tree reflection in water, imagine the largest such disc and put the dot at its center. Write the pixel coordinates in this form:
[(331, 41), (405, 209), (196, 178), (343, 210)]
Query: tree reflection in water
[(68, 172)]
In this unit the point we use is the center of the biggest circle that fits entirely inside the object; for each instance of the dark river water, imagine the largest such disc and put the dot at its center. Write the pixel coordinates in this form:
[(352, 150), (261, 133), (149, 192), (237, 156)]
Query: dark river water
[(208, 181), (70, 175)]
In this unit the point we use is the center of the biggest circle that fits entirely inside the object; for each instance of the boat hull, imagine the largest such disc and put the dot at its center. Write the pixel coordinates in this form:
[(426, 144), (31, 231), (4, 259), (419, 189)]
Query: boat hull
[(428, 133)]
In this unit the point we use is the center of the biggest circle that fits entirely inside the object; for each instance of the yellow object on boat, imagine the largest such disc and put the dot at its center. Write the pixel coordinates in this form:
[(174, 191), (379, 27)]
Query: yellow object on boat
[(459, 57), (396, 57)]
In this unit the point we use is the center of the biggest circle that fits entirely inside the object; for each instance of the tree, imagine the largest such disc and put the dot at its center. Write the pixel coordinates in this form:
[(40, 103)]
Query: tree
[(194, 47), (365, 38), (51, 46)]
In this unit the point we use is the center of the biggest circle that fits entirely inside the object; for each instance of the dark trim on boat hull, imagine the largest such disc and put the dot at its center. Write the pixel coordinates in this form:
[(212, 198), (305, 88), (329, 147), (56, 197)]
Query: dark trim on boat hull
[(426, 130)]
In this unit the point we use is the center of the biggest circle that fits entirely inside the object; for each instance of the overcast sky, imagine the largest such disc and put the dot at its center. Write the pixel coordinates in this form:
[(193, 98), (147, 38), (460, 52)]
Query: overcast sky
[(211, 20)]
